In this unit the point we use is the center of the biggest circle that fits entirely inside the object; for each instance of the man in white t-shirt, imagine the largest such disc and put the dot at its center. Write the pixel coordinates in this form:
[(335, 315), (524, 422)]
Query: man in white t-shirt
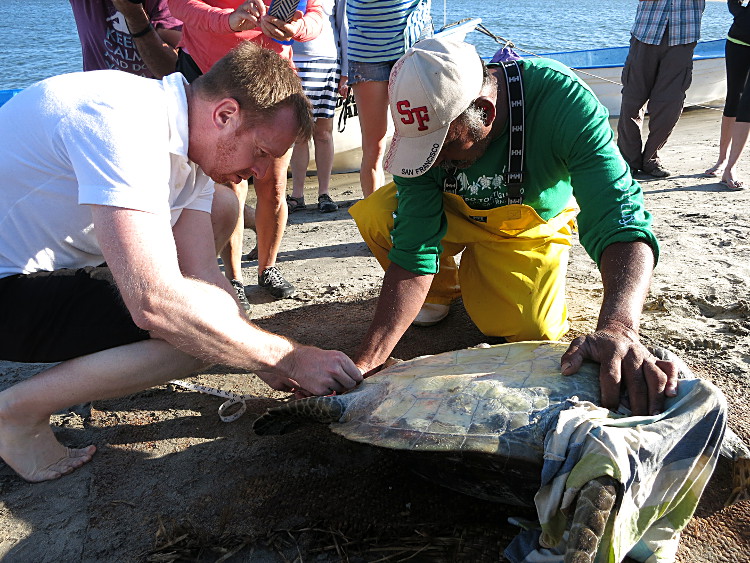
[(107, 253)]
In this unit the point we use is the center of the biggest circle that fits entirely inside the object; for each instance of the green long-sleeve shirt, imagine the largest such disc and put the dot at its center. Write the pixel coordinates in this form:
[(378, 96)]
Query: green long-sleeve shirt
[(570, 149)]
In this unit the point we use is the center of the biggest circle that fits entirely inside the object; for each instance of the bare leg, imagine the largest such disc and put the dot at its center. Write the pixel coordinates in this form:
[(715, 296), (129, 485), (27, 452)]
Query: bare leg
[(725, 140), (271, 211), (373, 121), (300, 160), (27, 443), (224, 210), (740, 133), (249, 216), (323, 141), (231, 253)]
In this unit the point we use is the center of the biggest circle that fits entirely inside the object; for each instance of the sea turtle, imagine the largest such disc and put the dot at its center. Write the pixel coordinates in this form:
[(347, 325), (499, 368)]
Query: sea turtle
[(474, 420)]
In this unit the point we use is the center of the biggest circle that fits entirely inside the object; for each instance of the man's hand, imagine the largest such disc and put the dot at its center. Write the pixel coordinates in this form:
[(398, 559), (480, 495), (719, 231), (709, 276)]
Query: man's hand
[(280, 30), (247, 15), (312, 371), (623, 359), (130, 10), (343, 88)]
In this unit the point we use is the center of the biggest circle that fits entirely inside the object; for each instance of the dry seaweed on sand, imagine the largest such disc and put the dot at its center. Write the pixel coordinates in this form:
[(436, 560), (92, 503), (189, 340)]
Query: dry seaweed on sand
[(185, 542)]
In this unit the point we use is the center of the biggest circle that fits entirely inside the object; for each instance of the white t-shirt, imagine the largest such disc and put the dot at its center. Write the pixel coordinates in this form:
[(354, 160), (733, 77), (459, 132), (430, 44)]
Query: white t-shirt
[(102, 137)]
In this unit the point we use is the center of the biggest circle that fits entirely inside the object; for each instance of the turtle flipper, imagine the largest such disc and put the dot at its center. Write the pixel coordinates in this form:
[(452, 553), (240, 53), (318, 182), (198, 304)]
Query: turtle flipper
[(740, 481), (278, 420), (593, 507)]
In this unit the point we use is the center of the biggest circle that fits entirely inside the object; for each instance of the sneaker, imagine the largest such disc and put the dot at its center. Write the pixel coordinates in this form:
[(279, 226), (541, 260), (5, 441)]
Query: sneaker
[(326, 204), (431, 314), (239, 287), (658, 171), (275, 283)]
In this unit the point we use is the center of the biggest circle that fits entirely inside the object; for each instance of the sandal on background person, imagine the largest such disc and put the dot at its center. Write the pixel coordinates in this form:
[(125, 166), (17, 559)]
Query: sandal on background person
[(295, 203), (734, 185), (326, 204), (715, 171)]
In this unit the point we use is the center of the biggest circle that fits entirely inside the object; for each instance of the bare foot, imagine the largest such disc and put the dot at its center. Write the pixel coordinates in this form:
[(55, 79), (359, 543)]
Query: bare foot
[(715, 170), (35, 454), (732, 184)]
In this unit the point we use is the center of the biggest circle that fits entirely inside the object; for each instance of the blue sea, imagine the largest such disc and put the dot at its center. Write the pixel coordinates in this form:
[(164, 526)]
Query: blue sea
[(38, 37)]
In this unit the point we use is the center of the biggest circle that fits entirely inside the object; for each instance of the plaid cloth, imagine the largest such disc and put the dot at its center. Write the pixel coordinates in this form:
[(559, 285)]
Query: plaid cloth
[(681, 19), (661, 462)]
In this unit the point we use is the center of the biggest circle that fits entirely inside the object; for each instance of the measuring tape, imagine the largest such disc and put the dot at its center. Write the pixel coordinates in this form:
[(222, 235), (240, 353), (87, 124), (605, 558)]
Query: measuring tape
[(233, 399)]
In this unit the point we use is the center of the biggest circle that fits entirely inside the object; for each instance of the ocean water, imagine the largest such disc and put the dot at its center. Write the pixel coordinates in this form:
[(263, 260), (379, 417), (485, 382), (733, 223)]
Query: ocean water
[(38, 38)]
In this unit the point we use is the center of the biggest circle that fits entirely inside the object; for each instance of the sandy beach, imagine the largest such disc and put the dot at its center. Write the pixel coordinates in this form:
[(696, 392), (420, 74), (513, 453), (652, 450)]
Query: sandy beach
[(171, 482)]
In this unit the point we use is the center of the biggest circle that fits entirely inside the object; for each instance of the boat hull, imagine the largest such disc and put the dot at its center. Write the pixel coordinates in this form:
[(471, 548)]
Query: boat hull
[(601, 70)]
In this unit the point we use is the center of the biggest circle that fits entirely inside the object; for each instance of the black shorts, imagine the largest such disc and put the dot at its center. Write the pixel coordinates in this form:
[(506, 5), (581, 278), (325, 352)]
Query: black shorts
[(187, 66), (56, 316)]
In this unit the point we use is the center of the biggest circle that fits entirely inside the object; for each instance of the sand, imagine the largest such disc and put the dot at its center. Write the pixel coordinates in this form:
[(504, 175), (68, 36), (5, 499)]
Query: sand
[(171, 482)]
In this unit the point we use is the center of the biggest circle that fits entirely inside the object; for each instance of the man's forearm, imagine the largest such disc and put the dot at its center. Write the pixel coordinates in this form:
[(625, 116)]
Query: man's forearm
[(158, 54), (626, 269), (401, 297)]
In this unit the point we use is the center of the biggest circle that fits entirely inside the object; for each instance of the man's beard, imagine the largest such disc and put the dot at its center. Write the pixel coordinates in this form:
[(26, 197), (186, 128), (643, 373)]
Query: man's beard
[(480, 147), (224, 151)]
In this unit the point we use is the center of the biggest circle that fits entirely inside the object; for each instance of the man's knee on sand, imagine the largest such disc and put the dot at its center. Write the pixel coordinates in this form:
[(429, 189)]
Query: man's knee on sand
[(516, 325), (374, 214)]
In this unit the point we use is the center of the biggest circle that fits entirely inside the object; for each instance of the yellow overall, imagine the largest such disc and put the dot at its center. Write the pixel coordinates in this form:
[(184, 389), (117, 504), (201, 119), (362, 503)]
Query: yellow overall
[(512, 270)]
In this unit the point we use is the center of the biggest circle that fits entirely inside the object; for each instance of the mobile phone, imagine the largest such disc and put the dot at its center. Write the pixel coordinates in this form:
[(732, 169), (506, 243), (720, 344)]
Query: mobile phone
[(284, 9)]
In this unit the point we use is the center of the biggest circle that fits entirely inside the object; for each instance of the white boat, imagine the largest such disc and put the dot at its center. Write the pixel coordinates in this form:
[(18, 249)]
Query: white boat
[(601, 69)]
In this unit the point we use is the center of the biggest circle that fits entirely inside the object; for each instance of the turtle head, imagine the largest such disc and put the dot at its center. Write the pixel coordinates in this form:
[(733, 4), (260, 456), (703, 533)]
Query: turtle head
[(284, 418)]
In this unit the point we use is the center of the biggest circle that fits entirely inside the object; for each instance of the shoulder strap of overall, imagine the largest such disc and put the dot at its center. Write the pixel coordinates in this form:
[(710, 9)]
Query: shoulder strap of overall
[(514, 174)]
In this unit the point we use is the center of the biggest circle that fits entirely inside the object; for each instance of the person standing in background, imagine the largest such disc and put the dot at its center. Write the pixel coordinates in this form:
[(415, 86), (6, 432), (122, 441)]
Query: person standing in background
[(735, 122), (210, 29), (658, 70), (380, 31), (319, 65), (137, 37)]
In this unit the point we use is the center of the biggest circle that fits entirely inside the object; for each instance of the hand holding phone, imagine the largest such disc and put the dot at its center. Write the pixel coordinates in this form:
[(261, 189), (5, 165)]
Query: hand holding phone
[(283, 9)]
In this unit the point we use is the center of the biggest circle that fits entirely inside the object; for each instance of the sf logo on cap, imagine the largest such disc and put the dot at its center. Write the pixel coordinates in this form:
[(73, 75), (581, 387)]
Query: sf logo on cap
[(413, 114)]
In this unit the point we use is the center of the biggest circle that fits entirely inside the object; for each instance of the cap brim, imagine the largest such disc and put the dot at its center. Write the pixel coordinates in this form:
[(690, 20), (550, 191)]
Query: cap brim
[(413, 156)]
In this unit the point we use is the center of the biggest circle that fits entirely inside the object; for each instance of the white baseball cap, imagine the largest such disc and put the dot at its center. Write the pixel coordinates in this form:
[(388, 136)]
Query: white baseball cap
[(430, 86)]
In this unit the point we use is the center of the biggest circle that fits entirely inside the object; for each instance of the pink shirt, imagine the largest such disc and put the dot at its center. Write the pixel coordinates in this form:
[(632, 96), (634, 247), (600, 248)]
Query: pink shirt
[(206, 35)]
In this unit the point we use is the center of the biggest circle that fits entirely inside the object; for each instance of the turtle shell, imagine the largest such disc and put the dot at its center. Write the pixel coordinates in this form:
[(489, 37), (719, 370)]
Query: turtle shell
[(498, 400), (472, 420)]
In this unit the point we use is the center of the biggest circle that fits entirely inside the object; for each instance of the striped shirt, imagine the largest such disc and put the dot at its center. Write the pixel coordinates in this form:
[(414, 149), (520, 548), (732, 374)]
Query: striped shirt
[(681, 19), (382, 30)]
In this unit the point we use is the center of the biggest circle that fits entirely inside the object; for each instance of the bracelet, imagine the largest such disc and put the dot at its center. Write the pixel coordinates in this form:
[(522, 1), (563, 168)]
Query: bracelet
[(143, 32)]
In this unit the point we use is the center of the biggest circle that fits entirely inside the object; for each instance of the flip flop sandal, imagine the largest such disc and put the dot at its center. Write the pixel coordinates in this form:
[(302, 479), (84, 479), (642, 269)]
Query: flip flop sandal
[(295, 203), (734, 185), (714, 171)]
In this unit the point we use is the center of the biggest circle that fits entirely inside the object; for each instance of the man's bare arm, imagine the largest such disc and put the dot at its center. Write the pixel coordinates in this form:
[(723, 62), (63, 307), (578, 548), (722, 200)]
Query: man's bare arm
[(626, 270), (157, 47), (199, 318), (401, 297)]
